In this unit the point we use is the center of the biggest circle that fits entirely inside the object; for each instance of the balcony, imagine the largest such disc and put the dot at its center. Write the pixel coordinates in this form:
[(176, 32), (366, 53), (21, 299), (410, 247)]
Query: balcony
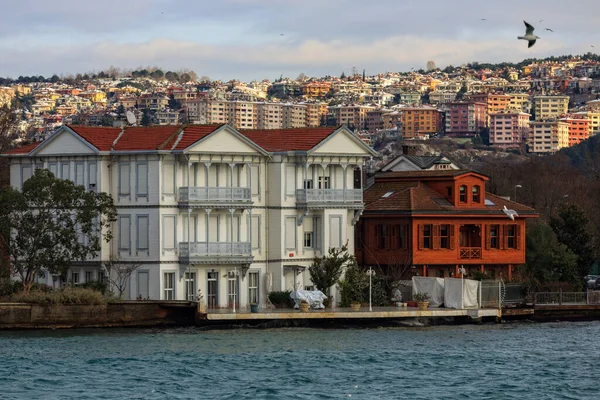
[(215, 252), (470, 252), (351, 198), (215, 195)]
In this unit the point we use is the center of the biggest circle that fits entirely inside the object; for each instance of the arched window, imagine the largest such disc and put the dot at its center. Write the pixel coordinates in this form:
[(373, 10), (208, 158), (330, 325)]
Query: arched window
[(476, 194), (463, 194)]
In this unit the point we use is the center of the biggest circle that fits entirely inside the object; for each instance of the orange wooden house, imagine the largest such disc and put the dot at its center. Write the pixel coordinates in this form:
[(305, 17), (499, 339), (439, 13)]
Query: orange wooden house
[(433, 222)]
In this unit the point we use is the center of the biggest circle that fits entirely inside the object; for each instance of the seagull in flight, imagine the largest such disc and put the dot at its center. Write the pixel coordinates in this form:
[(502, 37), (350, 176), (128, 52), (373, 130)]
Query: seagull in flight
[(510, 213), (548, 29), (529, 36)]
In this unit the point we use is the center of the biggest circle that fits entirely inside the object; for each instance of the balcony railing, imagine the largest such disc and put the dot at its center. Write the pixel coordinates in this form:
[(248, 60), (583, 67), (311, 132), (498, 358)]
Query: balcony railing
[(215, 249), (470, 252), (329, 195), (215, 194)]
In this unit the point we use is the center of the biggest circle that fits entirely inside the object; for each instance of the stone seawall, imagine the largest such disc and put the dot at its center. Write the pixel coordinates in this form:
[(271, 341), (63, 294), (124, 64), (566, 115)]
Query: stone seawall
[(127, 313)]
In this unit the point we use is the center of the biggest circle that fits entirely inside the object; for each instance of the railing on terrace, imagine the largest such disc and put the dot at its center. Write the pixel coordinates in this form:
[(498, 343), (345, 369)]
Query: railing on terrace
[(470, 252), (329, 195), (215, 194), (200, 249), (590, 297)]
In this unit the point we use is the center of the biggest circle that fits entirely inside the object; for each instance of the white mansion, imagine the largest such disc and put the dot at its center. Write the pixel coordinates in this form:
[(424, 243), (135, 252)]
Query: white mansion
[(232, 214)]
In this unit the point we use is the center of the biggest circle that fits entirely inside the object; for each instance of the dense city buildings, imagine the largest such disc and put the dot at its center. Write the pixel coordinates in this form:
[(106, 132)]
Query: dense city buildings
[(548, 136), (509, 129), (465, 118)]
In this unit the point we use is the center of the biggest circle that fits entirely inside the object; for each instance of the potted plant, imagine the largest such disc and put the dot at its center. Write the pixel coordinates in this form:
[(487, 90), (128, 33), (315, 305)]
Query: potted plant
[(355, 305), (253, 307), (422, 300), (304, 306), (201, 303)]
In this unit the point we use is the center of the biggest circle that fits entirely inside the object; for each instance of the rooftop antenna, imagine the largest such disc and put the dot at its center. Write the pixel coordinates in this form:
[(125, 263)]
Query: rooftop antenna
[(131, 120)]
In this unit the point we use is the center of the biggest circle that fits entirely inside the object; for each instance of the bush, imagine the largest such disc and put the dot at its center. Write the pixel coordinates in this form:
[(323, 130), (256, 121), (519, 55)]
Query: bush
[(68, 295), (281, 299), (98, 286), (355, 287)]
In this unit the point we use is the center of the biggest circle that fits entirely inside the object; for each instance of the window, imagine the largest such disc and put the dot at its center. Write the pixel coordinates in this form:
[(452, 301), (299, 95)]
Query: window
[(124, 179), (324, 182), (494, 229), (511, 236), (317, 233), (89, 276), (255, 221), (92, 178), (190, 286), (124, 233), (449, 190), (53, 167), (290, 180), (26, 173), (308, 184), (445, 236), (308, 239), (399, 237), (142, 232), (476, 194), (141, 180), (253, 281), (74, 278), (169, 178), (335, 231), (169, 286), (427, 236), (380, 236), (463, 194), (64, 171)]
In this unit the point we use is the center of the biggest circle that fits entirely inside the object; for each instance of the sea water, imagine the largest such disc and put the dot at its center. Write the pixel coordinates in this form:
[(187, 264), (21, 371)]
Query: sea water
[(504, 361)]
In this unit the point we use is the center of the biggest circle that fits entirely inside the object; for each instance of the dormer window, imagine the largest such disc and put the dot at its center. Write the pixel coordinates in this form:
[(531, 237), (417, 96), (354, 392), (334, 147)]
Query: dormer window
[(462, 194), (476, 194)]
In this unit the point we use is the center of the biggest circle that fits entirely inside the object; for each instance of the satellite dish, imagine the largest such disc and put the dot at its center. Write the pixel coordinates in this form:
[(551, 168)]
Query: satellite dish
[(130, 118)]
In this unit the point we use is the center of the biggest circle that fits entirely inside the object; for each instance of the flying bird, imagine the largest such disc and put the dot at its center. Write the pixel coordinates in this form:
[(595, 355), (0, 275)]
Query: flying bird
[(592, 45), (483, 19), (540, 20), (529, 36), (510, 213), (548, 29)]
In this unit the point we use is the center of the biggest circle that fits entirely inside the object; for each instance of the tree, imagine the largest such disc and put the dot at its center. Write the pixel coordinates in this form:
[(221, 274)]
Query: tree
[(8, 123), (52, 223), (325, 271), (118, 273), (146, 118), (121, 110), (570, 229)]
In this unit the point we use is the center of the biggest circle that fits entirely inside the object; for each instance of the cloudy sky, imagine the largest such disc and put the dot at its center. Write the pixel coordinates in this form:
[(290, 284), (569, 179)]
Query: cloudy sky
[(256, 39)]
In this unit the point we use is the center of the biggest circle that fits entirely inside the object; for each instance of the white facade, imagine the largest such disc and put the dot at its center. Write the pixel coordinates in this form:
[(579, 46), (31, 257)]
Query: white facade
[(195, 215)]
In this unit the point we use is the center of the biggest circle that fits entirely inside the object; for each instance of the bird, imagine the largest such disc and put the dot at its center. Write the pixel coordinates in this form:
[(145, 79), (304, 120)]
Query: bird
[(483, 19), (592, 45), (540, 20), (281, 34), (548, 29), (529, 36), (510, 213)]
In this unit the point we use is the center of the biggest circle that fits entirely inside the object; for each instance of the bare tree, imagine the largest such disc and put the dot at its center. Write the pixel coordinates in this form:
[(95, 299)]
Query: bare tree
[(119, 273)]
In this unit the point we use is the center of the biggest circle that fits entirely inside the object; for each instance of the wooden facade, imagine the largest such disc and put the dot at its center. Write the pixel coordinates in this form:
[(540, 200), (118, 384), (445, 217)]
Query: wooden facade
[(431, 223)]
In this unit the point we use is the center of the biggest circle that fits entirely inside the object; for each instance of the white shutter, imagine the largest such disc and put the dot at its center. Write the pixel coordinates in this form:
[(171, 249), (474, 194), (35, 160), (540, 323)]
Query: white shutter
[(335, 227), (93, 176), (213, 229), (124, 232), (142, 232), (169, 232), (308, 224), (142, 180), (79, 173), (236, 229), (317, 230), (169, 178), (26, 171), (124, 179), (64, 171), (290, 233), (290, 180), (54, 169), (255, 179), (256, 231)]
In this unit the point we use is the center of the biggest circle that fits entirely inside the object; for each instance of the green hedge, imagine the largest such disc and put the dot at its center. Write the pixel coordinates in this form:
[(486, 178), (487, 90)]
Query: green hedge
[(68, 295), (281, 299)]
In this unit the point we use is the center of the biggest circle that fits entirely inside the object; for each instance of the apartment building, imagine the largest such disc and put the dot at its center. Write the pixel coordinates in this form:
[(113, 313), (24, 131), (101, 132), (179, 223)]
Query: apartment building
[(594, 118), (548, 136), (270, 116), (242, 114), (294, 116), (509, 128), (519, 101), (316, 114), (392, 119), (420, 121), (313, 90), (354, 116), (441, 97), (465, 117), (494, 102), (579, 129), (375, 120), (209, 209), (548, 107)]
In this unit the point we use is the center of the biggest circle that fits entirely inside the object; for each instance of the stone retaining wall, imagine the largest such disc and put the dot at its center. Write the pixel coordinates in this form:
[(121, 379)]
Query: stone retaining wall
[(129, 313)]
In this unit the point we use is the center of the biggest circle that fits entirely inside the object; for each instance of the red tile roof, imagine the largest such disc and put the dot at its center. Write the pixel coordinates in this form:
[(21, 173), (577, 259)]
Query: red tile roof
[(296, 139), (146, 138), (191, 134), (23, 149), (100, 137), (417, 196)]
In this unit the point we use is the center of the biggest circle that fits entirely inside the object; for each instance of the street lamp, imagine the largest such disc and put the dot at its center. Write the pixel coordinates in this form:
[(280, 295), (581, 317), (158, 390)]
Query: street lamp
[(370, 272), (462, 271), (517, 186)]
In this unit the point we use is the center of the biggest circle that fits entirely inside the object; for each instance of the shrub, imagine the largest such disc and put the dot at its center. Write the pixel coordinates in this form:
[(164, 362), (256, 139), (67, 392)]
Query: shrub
[(98, 286), (281, 299), (68, 295), (419, 297)]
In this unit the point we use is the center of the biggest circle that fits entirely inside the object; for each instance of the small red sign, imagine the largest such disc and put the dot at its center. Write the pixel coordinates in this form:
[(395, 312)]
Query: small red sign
[(291, 254)]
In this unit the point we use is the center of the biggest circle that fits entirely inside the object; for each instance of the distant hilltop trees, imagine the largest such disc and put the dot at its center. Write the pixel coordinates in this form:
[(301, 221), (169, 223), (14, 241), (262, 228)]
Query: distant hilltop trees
[(156, 73)]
